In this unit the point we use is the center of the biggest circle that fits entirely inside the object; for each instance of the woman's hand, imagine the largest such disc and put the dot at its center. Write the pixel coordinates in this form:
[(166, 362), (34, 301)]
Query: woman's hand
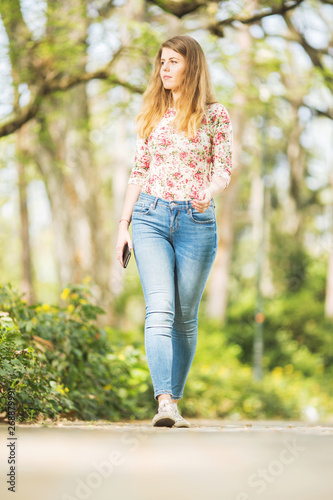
[(132, 194), (123, 238), (203, 202)]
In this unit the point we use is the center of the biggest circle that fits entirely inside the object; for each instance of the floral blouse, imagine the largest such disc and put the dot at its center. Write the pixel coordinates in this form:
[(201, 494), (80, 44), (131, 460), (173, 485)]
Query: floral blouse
[(171, 166)]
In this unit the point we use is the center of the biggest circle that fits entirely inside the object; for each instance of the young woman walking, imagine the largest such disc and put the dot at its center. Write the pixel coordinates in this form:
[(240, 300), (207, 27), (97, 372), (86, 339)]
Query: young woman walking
[(183, 159)]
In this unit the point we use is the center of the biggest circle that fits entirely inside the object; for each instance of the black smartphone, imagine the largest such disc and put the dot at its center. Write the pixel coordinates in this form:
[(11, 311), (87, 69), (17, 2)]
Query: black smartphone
[(126, 255)]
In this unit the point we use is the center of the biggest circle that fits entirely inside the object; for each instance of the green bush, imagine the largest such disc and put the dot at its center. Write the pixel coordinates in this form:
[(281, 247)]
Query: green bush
[(295, 330), (23, 372), (61, 364), (76, 372), (221, 386)]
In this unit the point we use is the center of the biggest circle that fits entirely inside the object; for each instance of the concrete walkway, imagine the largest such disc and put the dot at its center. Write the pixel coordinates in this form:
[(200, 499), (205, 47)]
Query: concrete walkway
[(214, 459)]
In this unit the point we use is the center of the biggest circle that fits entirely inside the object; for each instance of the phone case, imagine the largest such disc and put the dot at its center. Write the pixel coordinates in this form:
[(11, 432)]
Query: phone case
[(126, 255)]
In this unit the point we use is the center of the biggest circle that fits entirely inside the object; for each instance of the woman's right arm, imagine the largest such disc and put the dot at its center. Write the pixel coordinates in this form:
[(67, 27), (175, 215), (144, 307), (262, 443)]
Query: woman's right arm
[(132, 194), (135, 184)]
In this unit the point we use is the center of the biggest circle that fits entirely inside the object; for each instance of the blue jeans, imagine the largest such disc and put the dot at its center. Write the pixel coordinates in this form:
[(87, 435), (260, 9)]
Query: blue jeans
[(175, 247)]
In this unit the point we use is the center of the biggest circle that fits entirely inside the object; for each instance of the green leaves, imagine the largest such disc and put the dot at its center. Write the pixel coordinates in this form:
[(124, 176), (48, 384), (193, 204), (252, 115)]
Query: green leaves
[(61, 363)]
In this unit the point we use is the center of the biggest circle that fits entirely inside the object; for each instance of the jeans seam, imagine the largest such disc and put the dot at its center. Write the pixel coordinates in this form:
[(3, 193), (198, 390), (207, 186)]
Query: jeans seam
[(161, 391), (175, 229)]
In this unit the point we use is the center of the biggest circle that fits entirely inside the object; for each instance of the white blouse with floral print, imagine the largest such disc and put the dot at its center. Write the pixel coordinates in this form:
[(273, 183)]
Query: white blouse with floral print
[(171, 166)]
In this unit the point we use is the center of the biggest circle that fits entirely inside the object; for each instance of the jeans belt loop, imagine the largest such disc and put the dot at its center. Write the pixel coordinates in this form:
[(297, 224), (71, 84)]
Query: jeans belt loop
[(155, 203)]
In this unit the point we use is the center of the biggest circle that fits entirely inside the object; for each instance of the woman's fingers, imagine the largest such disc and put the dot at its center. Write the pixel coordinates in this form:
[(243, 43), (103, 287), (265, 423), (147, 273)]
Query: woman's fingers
[(119, 252), (203, 201), (120, 248), (200, 205)]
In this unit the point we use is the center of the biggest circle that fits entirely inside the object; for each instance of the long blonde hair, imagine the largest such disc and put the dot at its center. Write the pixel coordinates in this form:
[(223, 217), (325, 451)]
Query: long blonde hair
[(196, 90)]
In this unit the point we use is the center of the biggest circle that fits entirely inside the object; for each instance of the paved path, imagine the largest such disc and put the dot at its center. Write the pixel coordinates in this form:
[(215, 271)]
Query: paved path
[(214, 459)]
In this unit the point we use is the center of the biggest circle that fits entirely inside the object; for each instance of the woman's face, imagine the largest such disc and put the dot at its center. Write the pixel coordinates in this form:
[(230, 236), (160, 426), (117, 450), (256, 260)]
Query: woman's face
[(172, 69)]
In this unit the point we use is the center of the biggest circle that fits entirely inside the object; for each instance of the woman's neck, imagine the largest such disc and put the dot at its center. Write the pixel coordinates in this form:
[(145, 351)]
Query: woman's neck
[(175, 99)]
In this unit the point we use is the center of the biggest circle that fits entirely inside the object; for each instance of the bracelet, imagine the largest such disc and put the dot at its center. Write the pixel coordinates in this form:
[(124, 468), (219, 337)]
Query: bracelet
[(125, 220)]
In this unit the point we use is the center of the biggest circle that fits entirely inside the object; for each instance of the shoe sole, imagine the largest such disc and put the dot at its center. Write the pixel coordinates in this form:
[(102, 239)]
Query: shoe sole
[(181, 426), (164, 422)]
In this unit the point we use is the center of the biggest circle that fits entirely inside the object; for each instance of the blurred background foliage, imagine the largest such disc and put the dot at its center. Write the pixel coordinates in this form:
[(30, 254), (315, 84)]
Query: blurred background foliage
[(71, 83)]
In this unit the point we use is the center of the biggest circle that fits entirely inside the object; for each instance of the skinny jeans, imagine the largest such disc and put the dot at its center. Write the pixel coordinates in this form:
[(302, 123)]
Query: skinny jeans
[(175, 247)]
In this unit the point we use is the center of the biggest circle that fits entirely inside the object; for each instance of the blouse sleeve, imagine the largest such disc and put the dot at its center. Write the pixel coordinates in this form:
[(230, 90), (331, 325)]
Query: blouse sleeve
[(222, 145), (141, 163)]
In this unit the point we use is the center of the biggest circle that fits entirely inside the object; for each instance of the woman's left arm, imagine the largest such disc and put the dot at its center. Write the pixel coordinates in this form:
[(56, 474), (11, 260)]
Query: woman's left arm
[(222, 161)]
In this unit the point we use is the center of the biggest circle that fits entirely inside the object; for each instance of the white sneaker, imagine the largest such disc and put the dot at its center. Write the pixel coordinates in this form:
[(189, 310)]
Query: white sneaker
[(180, 421), (165, 416)]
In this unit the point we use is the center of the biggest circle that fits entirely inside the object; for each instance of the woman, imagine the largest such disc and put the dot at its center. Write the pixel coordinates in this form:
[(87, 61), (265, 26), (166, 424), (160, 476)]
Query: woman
[(183, 159)]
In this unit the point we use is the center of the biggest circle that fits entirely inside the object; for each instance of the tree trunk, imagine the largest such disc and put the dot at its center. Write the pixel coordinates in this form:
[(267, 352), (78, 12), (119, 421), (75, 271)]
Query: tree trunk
[(62, 149), (219, 279), (27, 273), (18, 34), (133, 9), (294, 214), (329, 279), (63, 155), (267, 284)]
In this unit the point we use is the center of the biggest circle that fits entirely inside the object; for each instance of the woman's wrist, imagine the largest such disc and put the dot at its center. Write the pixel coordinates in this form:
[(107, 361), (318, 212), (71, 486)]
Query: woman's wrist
[(124, 223), (217, 186), (209, 192)]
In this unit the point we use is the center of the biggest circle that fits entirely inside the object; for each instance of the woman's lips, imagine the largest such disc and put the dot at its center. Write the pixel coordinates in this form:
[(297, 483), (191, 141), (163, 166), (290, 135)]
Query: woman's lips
[(165, 77)]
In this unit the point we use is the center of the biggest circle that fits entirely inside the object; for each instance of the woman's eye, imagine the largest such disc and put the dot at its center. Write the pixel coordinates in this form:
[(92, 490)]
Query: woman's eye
[(162, 62)]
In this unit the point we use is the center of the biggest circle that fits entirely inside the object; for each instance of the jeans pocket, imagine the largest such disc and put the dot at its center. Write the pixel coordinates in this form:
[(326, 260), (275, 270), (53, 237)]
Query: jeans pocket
[(206, 217), (142, 208)]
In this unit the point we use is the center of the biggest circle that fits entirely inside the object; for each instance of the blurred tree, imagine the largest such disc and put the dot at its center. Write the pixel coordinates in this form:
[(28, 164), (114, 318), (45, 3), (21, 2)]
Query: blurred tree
[(60, 141), (219, 282), (133, 10), (21, 72), (27, 269), (54, 67), (329, 280)]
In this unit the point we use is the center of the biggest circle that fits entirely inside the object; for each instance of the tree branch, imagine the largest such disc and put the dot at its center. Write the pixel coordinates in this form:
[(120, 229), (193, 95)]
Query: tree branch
[(298, 102), (318, 112), (106, 9), (20, 117), (68, 81), (180, 8), (217, 27), (103, 11), (314, 54), (23, 115)]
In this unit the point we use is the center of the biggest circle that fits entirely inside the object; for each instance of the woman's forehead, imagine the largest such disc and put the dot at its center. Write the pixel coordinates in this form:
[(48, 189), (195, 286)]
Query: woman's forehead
[(168, 53)]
